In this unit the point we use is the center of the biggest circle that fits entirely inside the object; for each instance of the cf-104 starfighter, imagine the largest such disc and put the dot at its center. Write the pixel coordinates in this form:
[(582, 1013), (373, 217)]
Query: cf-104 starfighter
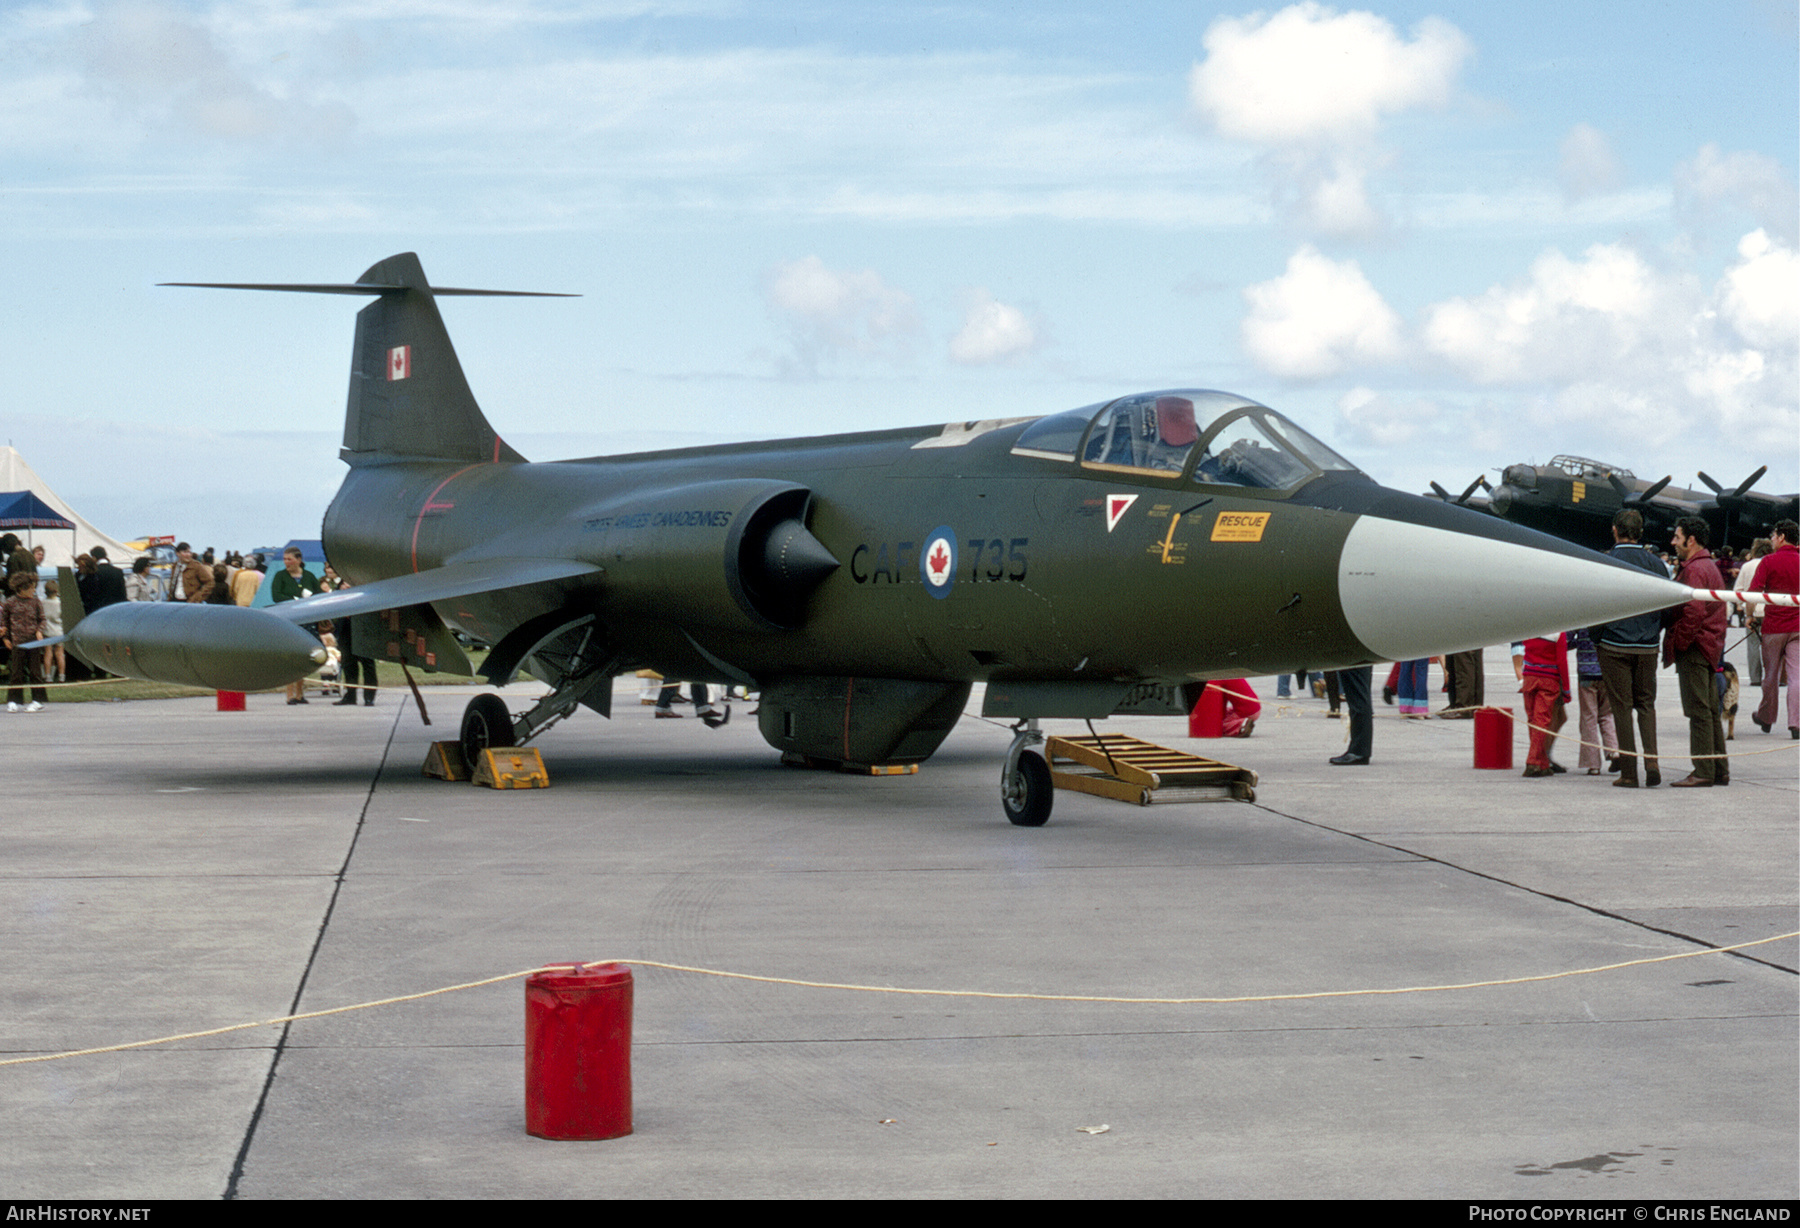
[(863, 582)]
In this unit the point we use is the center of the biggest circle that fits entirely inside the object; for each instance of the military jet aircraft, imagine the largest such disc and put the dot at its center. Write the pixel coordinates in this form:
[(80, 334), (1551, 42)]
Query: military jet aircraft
[(864, 582), (1575, 498)]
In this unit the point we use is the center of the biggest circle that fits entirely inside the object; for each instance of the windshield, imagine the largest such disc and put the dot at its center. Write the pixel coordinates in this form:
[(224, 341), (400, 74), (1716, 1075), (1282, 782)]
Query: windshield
[(1226, 439), (1151, 433)]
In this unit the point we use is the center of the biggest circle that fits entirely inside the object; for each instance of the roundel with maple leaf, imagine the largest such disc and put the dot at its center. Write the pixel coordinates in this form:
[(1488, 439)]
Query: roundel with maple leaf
[(937, 561)]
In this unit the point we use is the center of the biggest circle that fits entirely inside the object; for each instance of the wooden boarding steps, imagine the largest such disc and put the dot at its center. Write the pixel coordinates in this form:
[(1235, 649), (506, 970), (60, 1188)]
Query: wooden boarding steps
[(1129, 770)]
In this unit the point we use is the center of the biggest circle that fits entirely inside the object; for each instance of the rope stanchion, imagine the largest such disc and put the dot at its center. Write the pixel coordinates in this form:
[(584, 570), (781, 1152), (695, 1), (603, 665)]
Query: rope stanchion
[(906, 991)]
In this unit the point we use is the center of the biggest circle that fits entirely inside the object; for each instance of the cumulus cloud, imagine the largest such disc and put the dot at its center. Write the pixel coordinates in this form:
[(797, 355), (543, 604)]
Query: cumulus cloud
[(992, 332), (1370, 417), (1587, 165), (1319, 317), (831, 310), (153, 61), (1327, 191), (1310, 74), (1609, 338), (1314, 86), (1760, 296), (1715, 180), (1568, 320)]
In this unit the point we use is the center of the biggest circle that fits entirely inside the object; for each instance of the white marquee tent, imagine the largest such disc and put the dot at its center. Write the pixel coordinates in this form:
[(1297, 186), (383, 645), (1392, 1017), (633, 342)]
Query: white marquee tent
[(60, 545)]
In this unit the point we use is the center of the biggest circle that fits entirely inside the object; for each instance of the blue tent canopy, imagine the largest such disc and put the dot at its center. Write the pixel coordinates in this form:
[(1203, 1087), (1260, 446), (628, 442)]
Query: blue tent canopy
[(21, 509)]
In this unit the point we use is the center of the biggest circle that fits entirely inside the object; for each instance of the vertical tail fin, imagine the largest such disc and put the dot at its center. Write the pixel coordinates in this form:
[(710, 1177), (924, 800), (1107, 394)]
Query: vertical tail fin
[(70, 596), (408, 398)]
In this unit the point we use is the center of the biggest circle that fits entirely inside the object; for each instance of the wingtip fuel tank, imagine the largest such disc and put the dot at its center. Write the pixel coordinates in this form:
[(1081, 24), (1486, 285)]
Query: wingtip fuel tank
[(223, 648)]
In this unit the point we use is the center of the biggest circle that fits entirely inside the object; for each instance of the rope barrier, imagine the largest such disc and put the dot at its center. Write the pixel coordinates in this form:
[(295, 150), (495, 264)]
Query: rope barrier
[(894, 989), (1742, 596), (1613, 751)]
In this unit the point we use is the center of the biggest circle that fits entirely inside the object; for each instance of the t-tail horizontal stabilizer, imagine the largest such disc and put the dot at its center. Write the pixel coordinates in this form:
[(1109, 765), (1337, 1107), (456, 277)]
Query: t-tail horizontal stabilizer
[(409, 400)]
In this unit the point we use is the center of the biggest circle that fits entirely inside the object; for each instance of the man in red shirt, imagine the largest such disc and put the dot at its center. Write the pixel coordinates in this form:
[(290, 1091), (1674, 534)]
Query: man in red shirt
[(1780, 573), (1694, 644)]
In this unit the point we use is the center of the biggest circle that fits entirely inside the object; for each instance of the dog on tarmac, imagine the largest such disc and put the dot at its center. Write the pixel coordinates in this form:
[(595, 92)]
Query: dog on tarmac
[(1729, 703)]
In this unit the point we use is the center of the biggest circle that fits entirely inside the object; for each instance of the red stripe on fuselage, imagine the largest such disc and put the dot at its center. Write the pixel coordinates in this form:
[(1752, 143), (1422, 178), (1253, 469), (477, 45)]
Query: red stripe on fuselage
[(431, 506)]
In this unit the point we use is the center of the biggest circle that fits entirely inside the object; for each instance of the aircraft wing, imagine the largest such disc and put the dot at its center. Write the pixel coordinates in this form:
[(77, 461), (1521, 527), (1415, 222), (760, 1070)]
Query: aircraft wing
[(437, 584)]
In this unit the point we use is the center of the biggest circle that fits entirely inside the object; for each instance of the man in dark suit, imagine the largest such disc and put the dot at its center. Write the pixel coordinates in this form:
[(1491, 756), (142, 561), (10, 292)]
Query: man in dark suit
[(1355, 685), (109, 583)]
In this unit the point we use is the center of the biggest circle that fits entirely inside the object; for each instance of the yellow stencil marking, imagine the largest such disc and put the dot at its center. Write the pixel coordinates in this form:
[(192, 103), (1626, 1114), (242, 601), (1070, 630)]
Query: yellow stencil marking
[(1170, 544), (1240, 526)]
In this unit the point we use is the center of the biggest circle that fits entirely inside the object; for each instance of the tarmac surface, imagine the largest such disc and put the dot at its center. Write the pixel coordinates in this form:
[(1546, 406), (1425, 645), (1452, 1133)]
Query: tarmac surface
[(170, 868)]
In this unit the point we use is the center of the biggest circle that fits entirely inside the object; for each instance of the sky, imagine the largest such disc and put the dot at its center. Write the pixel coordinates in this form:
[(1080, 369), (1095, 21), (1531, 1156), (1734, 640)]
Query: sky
[(1443, 237)]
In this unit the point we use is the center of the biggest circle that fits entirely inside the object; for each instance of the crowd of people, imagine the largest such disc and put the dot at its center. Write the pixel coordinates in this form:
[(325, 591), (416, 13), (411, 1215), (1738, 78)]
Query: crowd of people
[(32, 608), (1614, 680), (1619, 660)]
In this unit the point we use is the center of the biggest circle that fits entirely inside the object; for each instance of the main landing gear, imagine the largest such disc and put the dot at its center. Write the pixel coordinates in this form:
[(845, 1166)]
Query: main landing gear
[(1026, 791), (486, 724), (571, 657)]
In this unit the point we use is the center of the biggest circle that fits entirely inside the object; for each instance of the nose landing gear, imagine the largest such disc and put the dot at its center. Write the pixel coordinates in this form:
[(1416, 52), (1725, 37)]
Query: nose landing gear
[(1026, 791)]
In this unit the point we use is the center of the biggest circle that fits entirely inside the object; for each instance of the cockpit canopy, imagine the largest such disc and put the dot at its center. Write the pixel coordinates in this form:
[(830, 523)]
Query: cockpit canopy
[(1218, 438)]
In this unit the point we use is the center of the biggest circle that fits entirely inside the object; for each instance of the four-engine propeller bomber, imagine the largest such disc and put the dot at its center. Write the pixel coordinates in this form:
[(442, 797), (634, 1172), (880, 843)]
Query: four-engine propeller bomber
[(864, 582), (1575, 498)]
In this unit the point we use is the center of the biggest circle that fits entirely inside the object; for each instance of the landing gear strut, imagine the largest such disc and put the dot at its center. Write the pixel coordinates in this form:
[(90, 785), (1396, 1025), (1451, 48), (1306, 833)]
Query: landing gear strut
[(572, 658), (1026, 791)]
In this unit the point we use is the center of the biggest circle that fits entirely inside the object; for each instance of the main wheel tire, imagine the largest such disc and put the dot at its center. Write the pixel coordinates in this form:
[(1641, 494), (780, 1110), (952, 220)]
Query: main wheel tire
[(486, 723), (1027, 796)]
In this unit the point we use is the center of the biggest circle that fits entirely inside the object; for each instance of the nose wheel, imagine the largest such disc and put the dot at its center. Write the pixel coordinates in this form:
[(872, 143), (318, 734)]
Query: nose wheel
[(1026, 790)]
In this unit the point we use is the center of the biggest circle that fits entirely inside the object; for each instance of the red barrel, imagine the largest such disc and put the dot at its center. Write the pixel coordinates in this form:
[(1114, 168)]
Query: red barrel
[(231, 701), (1494, 738), (1207, 720), (578, 1052)]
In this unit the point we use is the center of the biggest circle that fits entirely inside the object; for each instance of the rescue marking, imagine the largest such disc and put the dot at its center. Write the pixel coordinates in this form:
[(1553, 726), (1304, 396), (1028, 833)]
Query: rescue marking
[(1240, 526), (1116, 506)]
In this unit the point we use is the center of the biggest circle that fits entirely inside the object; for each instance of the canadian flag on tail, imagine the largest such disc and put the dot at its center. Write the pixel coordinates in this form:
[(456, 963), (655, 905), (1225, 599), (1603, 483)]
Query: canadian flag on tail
[(400, 362)]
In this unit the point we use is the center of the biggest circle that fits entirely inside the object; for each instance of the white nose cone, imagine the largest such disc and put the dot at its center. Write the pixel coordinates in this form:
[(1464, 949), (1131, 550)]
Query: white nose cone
[(1411, 591)]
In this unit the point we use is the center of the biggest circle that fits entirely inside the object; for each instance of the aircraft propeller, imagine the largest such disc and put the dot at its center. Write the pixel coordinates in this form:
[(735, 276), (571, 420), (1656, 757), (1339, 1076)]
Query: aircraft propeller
[(1732, 501), (1462, 500), (1643, 498), (1743, 486)]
